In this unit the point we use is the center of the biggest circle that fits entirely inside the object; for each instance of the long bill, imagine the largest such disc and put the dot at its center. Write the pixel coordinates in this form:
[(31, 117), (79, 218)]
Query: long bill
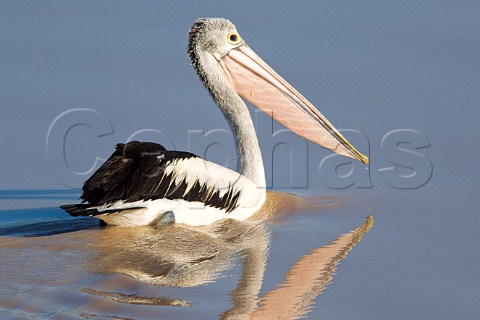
[(255, 81)]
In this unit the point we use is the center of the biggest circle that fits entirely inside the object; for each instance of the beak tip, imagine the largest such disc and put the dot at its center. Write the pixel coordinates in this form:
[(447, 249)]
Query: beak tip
[(364, 159)]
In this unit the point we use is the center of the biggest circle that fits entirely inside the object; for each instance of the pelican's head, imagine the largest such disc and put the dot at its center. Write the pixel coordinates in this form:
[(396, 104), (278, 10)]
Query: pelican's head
[(255, 81), (214, 35)]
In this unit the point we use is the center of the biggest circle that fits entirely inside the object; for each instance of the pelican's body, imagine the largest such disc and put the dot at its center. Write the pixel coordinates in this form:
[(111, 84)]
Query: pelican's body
[(142, 183)]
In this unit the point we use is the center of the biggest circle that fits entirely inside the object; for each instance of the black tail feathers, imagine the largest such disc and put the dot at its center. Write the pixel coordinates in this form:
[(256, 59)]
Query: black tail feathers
[(85, 209), (79, 209)]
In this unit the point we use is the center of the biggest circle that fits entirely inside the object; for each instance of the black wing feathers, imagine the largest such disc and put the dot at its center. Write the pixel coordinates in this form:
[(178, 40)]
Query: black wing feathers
[(131, 173), (136, 171)]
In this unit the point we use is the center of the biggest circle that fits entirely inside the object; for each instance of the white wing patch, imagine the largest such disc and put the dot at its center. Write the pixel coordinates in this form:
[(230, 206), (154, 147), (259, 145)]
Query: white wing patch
[(215, 178)]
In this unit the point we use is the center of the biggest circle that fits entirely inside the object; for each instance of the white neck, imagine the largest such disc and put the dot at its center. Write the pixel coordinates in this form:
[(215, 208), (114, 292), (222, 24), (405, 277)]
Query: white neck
[(236, 112)]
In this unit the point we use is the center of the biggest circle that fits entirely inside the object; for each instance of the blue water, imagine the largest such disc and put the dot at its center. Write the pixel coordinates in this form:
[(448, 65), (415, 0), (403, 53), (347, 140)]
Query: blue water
[(401, 77)]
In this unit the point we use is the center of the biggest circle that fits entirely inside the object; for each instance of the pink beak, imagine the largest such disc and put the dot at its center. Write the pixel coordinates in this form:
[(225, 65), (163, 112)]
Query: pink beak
[(259, 84)]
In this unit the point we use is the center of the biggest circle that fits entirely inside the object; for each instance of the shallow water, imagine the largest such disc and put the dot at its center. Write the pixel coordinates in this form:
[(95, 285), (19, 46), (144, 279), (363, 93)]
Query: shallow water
[(145, 272), (292, 264), (79, 77)]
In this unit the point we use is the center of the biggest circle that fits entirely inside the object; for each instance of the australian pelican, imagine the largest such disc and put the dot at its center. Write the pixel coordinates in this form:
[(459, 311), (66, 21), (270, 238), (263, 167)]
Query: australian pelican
[(142, 183)]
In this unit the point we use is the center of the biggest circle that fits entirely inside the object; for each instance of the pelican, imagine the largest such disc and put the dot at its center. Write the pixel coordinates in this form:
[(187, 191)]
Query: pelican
[(142, 183)]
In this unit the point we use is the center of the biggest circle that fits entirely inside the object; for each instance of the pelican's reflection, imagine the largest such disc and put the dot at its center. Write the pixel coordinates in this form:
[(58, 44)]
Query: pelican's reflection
[(308, 277), (179, 256), (183, 256)]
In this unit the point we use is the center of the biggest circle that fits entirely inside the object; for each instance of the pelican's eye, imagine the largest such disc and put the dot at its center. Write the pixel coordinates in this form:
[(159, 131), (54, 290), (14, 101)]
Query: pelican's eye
[(234, 38)]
